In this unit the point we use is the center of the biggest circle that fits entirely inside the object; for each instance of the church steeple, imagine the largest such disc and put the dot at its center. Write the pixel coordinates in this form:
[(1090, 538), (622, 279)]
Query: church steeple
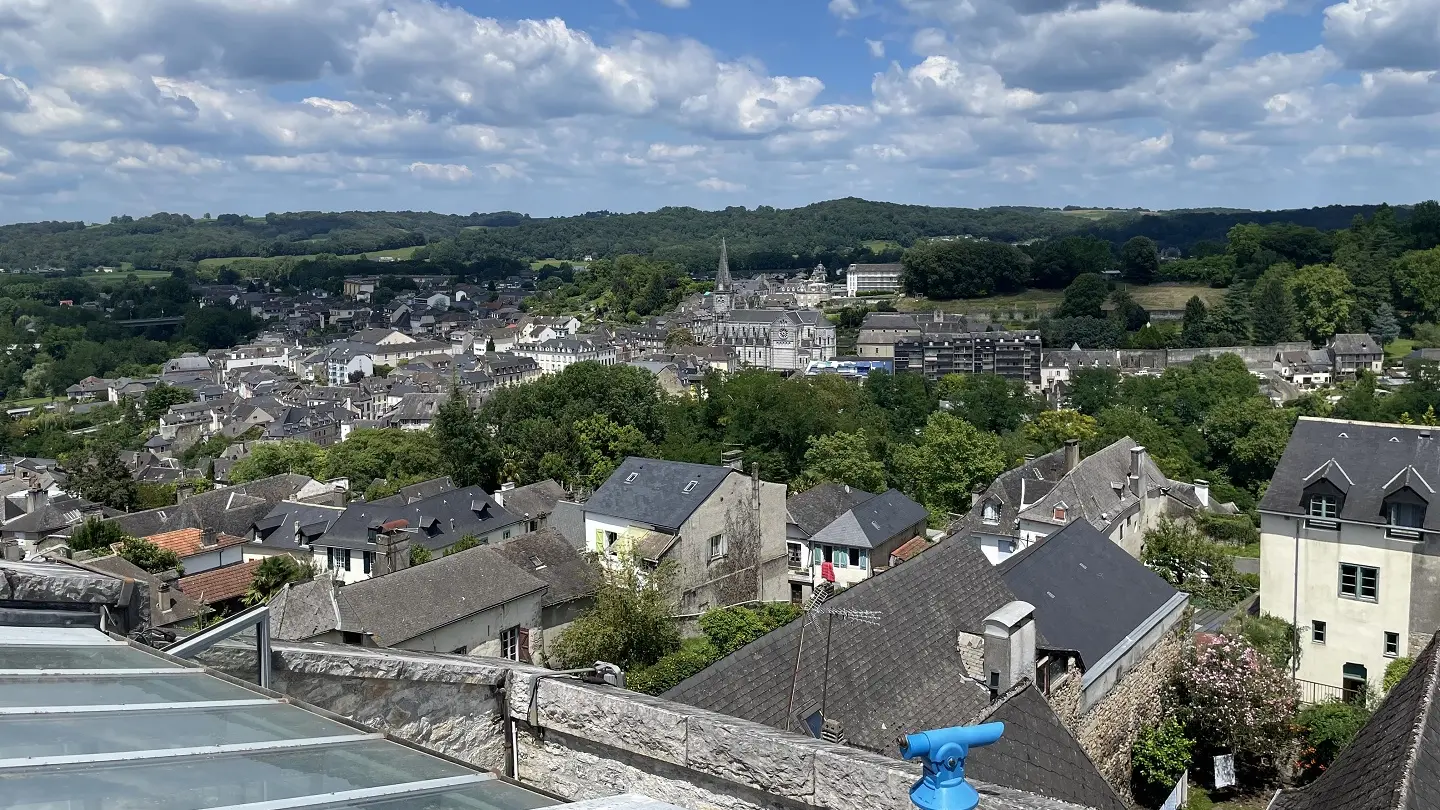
[(720, 301), (722, 274)]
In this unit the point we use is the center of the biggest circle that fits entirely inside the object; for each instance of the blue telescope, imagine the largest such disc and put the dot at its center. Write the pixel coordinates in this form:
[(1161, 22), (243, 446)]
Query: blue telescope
[(943, 752)]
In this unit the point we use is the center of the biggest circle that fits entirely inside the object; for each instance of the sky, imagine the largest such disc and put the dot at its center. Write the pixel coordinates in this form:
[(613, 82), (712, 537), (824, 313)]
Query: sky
[(555, 107)]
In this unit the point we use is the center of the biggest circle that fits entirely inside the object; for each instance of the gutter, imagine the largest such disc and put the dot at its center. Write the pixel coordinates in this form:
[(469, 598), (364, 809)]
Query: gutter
[(1126, 644)]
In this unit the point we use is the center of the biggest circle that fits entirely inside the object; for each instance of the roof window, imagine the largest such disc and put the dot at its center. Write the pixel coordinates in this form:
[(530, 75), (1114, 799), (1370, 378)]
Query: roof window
[(690, 487), (630, 479)]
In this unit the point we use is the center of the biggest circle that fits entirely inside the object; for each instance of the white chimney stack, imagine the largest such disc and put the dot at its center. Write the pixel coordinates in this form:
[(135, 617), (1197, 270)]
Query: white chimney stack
[(1009, 646)]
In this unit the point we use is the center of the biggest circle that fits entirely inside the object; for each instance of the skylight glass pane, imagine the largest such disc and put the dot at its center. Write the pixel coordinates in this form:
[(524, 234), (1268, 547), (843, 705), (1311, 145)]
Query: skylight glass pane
[(61, 734), (492, 795), (78, 657), (200, 782), (65, 691)]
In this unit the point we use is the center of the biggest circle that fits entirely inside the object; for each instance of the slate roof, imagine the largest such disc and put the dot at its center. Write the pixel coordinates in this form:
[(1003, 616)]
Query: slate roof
[(889, 320), (168, 604), (548, 556), (219, 584), (277, 529), (1365, 461), (1394, 762), (872, 522), (873, 690), (231, 510), (656, 495), (1355, 344), (1038, 754), (819, 506), (1088, 593), (304, 610), (1090, 491), (416, 600), (450, 515), (534, 500), (1010, 489)]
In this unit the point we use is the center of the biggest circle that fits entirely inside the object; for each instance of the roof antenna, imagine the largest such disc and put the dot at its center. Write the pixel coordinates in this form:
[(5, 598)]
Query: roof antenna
[(943, 785)]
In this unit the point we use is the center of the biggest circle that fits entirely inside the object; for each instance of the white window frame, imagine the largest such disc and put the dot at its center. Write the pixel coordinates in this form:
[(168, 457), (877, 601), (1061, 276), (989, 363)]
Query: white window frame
[(990, 513), (719, 547), (1317, 631), (510, 643)]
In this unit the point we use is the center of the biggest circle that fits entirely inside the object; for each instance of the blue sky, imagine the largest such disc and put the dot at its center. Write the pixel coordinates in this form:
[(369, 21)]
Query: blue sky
[(562, 106)]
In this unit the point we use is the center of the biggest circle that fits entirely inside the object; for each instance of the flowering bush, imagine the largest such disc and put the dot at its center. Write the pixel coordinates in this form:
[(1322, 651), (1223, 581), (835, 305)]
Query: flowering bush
[(1233, 699)]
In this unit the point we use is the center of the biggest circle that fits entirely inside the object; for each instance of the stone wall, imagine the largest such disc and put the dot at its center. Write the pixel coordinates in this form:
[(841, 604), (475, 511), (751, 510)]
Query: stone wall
[(1107, 730), (584, 742)]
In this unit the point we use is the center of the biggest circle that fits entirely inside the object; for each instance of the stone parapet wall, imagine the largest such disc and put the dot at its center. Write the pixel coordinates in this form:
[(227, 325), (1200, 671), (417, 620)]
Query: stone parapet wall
[(583, 741)]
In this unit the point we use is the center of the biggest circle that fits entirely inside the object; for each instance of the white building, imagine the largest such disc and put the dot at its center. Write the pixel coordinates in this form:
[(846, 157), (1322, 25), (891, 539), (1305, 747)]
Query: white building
[(860, 278), (1347, 548), (557, 354)]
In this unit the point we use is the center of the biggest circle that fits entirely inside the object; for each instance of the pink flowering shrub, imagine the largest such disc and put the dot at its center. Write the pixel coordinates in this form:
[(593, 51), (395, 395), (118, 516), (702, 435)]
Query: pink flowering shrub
[(1233, 699)]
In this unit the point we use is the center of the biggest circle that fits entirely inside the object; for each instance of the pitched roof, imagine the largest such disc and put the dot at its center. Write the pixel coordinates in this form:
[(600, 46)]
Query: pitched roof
[(441, 519), (911, 548), (1012, 488), (1089, 594), (1394, 762), (416, 600), (189, 542), (872, 687), (231, 510), (219, 584), (304, 610), (819, 506), (534, 500), (648, 490), (1038, 754), (549, 557), (1355, 344), (1365, 461), (872, 522), (168, 604), (1098, 488)]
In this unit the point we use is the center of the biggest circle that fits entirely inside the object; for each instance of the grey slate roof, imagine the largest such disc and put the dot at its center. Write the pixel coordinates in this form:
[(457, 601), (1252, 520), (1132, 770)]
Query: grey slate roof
[(548, 556), (1090, 491), (1038, 754), (534, 500), (656, 495), (1364, 461), (569, 520), (277, 529), (1088, 593), (1355, 344), (416, 600), (889, 320), (819, 506), (167, 604), (305, 610), (1394, 762), (874, 521), (450, 516), (231, 510), (1012, 488)]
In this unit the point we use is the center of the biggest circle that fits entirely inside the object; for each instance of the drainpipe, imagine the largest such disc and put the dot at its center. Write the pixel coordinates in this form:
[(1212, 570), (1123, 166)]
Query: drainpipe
[(1295, 605)]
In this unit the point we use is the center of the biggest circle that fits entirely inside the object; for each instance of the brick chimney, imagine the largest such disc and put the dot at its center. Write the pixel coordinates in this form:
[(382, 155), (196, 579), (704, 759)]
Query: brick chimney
[(1072, 454), (1009, 646)]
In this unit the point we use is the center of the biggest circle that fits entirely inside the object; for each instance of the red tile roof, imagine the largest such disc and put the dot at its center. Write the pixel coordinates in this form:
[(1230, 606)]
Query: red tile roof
[(189, 542), (912, 547), (219, 584)]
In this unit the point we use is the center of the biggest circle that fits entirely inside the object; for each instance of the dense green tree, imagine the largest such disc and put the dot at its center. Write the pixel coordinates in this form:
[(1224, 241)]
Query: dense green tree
[(96, 535), (1049, 430), (1085, 297), (629, 623), (1195, 329), (1424, 225), (603, 446), (1324, 300), (145, 554), (841, 458), (987, 401), (277, 458), (905, 400), (1248, 437), (97, 474), (465, 543), (1417, 274), (950, 458), (160, 397), (1092, 390), (1385, 325), (1139, 260), (367, 455), (1087, 333), (1274, 314), (1325, 730), (467, 452), (274, 573), (964, 268), (1230, 321), (1129, 314), (1059, 261)]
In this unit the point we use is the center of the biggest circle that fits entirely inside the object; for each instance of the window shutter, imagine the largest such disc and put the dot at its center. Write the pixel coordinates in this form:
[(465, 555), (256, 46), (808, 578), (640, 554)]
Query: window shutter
[(524, 652)]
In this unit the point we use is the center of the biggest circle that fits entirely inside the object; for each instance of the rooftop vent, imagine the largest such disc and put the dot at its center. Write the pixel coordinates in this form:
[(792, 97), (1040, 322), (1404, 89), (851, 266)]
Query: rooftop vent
[(690, 487)]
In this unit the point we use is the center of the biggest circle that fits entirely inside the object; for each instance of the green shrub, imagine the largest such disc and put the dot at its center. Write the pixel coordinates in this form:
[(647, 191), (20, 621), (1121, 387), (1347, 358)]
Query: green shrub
[(1325, 730), (694, 655), (1158, 759), (1397, 669), (1272, 636), (1235, 530)]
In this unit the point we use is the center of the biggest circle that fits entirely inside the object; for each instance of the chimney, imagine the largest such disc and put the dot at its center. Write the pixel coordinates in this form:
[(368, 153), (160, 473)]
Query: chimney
[(183, 491), (208, 538), (1072, 454), (392, 552), (1137, 457), (1009, 646), (1202, 491), (34, 498)]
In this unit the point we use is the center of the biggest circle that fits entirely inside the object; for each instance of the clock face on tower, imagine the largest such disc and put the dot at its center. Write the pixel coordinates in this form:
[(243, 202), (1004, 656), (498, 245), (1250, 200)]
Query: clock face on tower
[(784, 333)]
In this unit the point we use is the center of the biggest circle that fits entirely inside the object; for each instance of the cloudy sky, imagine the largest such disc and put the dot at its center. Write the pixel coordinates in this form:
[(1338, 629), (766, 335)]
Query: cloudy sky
[(562, 106)]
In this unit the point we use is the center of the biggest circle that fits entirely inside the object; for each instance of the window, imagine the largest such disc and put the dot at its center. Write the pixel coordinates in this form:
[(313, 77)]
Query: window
[(1317, 631), (717, 547), (610, 538), (839, 557), (797, 594), (855, 557), (797, 555), (1392, 645), (1323, 507), (630, 479), (1359, 582), (505, 535), (991, 512), (1409, 515), (1007, 546), (350, 637), (1353, 681), (510, 644), (366, 559), (345, 558), (1060, 513), (330, 558), (690, 487)]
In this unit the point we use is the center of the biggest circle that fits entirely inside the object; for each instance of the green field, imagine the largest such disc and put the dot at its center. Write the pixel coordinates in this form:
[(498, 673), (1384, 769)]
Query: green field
[(1150, 297), (539, 263), (398, 253), (126, 270), (1396, 350), (26, 403), (880, 245)]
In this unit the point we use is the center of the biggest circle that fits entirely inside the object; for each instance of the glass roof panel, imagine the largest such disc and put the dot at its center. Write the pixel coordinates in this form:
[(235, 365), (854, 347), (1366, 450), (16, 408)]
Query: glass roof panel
[(52, 690), (64, 735), (95, 656), (193, 783), (491, 795)]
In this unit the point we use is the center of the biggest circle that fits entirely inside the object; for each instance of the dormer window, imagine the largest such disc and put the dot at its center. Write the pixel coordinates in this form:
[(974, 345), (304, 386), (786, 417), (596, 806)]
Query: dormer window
[(1325, 507), (990, 513), (1060, 513), (1408, 515)]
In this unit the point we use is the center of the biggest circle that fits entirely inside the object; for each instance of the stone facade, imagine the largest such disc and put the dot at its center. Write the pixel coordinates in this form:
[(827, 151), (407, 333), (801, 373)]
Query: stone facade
[(585, 742), (1108, 728)]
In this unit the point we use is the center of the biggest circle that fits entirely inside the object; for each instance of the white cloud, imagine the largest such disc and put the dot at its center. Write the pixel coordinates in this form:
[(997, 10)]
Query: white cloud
[(877, 48), (844, 9), (1372, 34), (442, 172), (674, 3), (716, 184)]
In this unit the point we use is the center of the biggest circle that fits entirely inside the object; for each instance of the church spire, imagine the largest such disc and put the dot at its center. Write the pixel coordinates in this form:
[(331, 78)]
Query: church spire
[(722, 274)]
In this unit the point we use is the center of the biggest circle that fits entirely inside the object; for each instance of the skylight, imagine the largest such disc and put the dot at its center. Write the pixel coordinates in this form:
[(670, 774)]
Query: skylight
[(690, 487)]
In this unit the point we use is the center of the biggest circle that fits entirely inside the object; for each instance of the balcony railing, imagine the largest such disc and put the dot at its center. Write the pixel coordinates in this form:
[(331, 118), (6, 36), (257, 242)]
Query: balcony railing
[(1312, 692)]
